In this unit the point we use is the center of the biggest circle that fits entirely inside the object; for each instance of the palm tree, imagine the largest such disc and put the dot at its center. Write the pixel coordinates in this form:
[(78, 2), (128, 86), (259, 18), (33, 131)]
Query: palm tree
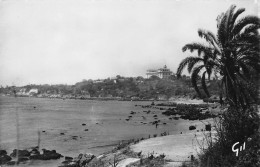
[(232, 56)]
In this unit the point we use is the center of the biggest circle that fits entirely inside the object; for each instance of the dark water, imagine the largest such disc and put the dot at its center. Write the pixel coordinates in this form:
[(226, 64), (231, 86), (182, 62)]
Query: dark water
[(105, 121)]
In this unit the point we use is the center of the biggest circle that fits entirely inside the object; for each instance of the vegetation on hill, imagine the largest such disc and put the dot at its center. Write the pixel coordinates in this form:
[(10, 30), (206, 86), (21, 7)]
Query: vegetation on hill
[(127, 88)]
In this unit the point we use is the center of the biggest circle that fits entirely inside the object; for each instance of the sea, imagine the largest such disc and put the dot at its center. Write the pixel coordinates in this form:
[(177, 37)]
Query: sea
[(72, 126)]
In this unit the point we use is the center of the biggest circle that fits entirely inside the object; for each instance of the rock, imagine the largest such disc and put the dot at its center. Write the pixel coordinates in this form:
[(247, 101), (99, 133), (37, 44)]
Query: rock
[(84, 159), (68, 158), (4, 159), (66, 162), (62, 133), (83, 124), (11, 163), (47, 151), (74, 137), (208, 127), (39, 156), (192, 127), (47, 155), (132, 112), (22, 159), (53, 151), (3, 152), (86, 130), (21, 153), (35, 152)]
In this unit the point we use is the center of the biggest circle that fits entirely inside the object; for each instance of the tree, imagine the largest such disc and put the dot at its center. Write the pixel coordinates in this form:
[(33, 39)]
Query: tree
[(154, 77), (232, 56)]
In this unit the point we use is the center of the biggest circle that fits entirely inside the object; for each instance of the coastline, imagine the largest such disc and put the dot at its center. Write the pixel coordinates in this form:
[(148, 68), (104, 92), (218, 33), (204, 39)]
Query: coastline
[(176, 149), (182, 146), (181, 127)]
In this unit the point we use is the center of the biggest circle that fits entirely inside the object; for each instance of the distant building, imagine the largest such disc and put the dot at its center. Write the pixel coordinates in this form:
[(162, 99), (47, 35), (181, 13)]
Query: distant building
[(163, 73), (98, 81), (33, 92)]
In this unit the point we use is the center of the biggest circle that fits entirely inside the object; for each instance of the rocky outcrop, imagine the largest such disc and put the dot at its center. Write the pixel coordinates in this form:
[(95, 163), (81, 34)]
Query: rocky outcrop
[(3, 152), (25, 155), (4, 158), (79, 161), (46, 155), (21, 153)]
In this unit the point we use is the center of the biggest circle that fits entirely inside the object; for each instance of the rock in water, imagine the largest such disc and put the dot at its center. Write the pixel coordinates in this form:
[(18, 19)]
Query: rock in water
[(35, 151), (21, 153), (192, 127), (3, 152), (4, 159), (22, 159), (11, 163), (47, 155), (68, 158)]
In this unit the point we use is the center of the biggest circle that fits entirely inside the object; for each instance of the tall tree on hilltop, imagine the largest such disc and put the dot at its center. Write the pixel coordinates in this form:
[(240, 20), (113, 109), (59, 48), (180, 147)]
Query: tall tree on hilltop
[(232, 56)]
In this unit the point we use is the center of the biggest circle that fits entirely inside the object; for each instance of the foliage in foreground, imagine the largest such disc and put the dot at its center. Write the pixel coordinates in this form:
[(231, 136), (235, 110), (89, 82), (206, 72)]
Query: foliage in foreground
[(236, 125), (232, 56)]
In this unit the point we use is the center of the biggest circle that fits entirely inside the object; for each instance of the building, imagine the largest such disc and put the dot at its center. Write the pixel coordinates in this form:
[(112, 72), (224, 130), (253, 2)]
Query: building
[(163, 73)]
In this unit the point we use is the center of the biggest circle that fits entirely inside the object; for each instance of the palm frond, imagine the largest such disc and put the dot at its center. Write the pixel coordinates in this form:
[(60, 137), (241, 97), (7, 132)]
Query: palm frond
[(254, 20), (183, 64), (222, 30), (207, 35), (201, 48), (251, 28), (236, 14), (193, 61), (229, 15)]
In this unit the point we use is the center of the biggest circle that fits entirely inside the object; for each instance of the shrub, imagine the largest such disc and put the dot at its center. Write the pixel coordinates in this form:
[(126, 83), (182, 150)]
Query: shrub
[(235, 125)]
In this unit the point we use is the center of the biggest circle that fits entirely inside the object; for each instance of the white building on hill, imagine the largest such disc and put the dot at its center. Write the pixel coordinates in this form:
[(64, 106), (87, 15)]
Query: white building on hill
[(163, 73)]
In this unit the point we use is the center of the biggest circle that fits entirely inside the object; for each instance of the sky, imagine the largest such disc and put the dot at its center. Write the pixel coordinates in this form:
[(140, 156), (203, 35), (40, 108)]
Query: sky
[(66, 41)]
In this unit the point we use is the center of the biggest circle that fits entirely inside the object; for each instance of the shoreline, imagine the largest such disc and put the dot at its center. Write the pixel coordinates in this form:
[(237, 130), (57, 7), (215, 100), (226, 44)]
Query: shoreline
[(175, 149), (151, 117), (177, 99)]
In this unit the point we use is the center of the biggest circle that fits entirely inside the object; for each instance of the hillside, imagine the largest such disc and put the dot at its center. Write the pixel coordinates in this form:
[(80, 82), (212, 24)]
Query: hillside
[(124, 88)]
